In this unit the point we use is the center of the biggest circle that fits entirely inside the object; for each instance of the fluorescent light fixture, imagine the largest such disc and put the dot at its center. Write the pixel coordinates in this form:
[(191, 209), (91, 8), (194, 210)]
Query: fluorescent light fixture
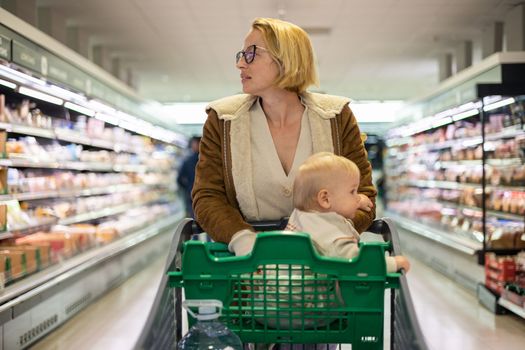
[(107, 118), (101, 107), (472, 142), (20, 77), (490, 99), (129, 118), (7, 84), (80, 109), (465, 114), (441, 122), (66, 94), (499, 104), (135, 127), (40, 95)]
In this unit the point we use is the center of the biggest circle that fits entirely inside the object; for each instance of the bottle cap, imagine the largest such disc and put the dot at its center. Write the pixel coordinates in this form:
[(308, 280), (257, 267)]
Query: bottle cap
[(208, 309)]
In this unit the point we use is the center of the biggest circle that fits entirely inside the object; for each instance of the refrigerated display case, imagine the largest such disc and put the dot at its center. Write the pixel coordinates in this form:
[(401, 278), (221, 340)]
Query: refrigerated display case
[(87, 183), (455, 172)]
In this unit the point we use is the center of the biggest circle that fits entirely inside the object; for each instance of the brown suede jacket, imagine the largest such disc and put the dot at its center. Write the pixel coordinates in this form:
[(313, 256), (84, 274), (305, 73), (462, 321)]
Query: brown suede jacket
[(222, 194)]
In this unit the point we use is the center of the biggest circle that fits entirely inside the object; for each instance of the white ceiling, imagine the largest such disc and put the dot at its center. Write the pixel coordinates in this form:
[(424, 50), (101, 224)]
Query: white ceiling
[(183, 50)]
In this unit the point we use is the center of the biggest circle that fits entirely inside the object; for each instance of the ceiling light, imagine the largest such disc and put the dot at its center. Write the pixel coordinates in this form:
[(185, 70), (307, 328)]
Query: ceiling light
[(101, 107), (464, 115), (40, 95), (499, 104), (80, 109), (7, 84), (472, 142), (441, 122), (65, 94), (107, 118), (20, 77)]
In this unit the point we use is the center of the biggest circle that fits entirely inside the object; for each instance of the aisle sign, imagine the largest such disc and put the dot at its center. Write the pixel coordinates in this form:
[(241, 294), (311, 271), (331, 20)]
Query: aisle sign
[(25, 53), (5, 47), (57, 69), (97, 90), (27, 57)]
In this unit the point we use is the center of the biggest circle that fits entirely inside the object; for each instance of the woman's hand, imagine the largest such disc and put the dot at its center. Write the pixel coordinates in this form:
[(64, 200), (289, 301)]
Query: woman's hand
[(242, 242), (365, 203), (402, 263)]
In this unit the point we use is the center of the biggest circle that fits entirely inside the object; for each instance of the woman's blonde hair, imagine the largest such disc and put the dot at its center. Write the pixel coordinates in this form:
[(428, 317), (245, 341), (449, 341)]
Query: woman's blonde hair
[(317, 172), (290, 46)]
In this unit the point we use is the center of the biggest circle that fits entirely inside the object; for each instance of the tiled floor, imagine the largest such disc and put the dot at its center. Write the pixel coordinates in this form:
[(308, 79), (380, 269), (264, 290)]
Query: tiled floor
[(450, 316)]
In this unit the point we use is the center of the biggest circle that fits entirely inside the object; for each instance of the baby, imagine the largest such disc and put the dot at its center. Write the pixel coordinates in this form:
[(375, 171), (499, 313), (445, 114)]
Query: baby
[(326, 200)]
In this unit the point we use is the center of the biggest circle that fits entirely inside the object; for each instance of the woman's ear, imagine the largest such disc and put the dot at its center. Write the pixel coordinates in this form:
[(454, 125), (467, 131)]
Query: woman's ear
[(323, 199)]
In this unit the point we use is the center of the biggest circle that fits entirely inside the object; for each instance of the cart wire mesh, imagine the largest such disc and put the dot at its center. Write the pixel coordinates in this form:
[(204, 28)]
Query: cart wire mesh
[(270, 311)]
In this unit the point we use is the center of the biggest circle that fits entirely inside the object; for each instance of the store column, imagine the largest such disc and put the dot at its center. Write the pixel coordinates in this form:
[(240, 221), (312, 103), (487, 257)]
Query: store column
[(24, 9), (78, 39), (515, 29), (52, 22), (463, 55), (100, 56), (445, 66), (492, 39)]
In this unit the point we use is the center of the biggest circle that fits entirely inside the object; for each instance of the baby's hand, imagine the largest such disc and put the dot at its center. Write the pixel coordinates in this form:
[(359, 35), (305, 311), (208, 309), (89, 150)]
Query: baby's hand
[(402, 263), (365, 203)]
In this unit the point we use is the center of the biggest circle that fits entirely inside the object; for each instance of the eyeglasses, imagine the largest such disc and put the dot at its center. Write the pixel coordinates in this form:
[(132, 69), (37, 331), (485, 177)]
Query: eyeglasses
[(248, 54)]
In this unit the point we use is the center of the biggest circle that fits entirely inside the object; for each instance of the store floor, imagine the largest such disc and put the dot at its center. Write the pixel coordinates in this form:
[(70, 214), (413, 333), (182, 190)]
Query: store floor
[(115, 320), (450, 316)]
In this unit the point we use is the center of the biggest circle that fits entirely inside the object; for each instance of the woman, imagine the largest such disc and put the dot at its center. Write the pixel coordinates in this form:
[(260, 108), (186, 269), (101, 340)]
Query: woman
[(253, 143)]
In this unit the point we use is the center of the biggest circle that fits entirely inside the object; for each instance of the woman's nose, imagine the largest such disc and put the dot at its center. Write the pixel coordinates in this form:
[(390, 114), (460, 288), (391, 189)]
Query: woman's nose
[(241, 63)]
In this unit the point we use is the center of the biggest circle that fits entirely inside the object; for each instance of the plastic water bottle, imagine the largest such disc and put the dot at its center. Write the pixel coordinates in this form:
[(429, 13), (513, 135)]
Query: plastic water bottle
[(208, 333)]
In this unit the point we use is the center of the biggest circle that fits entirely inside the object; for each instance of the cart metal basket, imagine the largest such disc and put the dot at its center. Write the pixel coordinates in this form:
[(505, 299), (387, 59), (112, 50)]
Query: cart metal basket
[(284, 292)]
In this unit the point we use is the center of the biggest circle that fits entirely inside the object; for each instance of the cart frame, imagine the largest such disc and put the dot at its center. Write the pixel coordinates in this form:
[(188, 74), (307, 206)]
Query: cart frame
[(164, 323)]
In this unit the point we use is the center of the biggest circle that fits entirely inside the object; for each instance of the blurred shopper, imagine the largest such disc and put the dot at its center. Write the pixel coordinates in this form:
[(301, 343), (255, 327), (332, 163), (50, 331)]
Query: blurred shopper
[(253, 143), (186, 175)]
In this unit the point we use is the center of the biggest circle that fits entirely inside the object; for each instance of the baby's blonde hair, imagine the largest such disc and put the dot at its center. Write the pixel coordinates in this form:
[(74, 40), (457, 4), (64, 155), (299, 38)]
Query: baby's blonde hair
[(291, 47), (316, 173)]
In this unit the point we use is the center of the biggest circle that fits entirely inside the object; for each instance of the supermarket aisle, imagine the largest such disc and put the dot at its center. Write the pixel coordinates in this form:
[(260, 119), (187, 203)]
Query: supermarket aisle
[(114, 321), (451, 318)]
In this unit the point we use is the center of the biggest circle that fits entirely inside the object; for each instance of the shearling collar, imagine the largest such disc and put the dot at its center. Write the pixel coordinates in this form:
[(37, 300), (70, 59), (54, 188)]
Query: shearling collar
[(232, 107)]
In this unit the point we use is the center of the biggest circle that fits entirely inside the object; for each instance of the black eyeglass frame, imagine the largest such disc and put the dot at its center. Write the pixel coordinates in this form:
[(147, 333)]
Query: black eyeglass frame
[(250, 51)]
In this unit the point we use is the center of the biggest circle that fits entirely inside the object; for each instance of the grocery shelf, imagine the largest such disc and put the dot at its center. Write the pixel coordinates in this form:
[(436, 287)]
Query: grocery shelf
[(505, 133), (506, 188), (451, 185), (53, 275), (505, 162), (461, 244), (28, 130), (448, 185), (507, 216), (455, 163), (101, 213), (72, 136), (67, 136), (471, 141), (520, 311), (26, 162), (25, 230), (27, 196)]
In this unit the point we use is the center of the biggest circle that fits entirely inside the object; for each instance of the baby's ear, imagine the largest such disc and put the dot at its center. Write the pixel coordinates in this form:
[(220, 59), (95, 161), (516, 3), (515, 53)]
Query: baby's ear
[(323, 199)]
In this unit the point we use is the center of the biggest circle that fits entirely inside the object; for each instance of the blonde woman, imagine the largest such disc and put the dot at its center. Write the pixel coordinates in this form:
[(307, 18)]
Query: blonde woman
[(253, 143)]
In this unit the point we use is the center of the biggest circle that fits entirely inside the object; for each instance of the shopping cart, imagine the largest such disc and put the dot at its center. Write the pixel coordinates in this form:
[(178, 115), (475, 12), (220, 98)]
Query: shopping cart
[(284, 292)]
